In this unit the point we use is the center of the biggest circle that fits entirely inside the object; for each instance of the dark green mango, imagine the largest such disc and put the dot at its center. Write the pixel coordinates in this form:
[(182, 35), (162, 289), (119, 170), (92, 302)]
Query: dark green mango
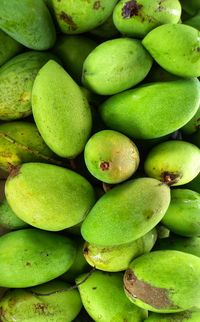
[(194, 21), (8, 47), (191, 6)]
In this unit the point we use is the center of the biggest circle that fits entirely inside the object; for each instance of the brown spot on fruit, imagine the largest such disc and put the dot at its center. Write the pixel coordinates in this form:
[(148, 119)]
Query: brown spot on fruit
[(68, 19), (85, 250), (41, 308), (170, 178), (131, 9), (104, 166), (97, 5)]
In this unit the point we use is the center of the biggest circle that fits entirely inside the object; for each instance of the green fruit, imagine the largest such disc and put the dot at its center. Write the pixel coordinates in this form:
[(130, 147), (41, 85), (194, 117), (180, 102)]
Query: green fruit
[(111, 156), (61, 111), (173, 162), (193, 125), (194, 21), (29, 22), (23, 305), (8, 47), (16, 82), (190, 6), (8, 219), (176, 48), (73, 51), (146, 112), (183, 214), (31, 257), (164, 281), (118, 258), (194, 184), (126, 213), (107, 30), (103, 297), (186, 316), (49, 197), (21, 142), (78, 16), (137, 18), (116, 65)]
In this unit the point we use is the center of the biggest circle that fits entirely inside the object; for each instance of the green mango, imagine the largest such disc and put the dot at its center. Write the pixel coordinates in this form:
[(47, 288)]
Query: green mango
[(116, 65), (186, 316), (137, 18), (194, 21), (8, 219), (193, 125), (194, 184), (111, 156), (16, 82), (190, 6), (173, 162), (165, 281), (49, 197), (78, 16), (176, 48), (31, 257), (107, 30), (8, 47), (183, 215), (118, 258), (146, 112), (28, 22), (73, 51), (22, 305), (61, 111), (21, 142), (126, 212), (103, 297)]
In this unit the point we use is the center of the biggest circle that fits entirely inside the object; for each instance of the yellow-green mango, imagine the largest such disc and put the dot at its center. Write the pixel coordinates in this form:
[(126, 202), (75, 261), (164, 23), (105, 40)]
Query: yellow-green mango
[(103, 297), (193, 125), (186, 316), (107, 30), (126, 212), (164, 281), (78, 16), (22, 305), (31, 257), (16, 82), (73, 51), (176, 48), (118, 258), (49, 197), (190, 6), (194, 21), (183, 215), (20, 142), (8, 219), (135, 18), (8, 47), (61, 111), (146, 112), (173, 162), (116, 65), (29, 22)]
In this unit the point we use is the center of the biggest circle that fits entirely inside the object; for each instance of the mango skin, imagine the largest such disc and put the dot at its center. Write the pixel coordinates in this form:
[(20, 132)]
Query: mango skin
[(20, 142), (38, 192), (126, 212), (8, 219), (186, 316), (127, 63), (118, 258), (21, 21), (137, 18), (22, 305), (103, 298), (16, 82), (158, 281), (78, 16), (132, 112), (61, 112), (183, 214), (173, 162), (37, 256), (175, 47), (8, 47), (193, 125)]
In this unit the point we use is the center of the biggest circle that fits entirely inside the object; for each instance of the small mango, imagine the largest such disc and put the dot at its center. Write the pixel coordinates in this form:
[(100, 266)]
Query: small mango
[(8, 47)]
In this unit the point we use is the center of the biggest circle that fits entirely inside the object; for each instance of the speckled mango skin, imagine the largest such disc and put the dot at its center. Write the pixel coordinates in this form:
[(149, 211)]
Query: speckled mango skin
[(61, 111), (164, 281), (8, 47), (186, 316), (79, 16), (37, 257), (21, 21), (176, 48), (103, 297), (132, 111), (16, 82), (38, 192), (21, 305), (137, 18), (163, 162), (126, 212)]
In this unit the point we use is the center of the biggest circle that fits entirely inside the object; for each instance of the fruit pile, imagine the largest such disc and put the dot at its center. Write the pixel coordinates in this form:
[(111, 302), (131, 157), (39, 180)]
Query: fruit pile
[(100, 160)]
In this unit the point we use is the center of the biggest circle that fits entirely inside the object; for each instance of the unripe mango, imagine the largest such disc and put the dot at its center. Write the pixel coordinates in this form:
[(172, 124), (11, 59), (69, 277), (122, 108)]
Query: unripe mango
[(49, 197), (190, 6), (8, 47), (194, 21), (8, 219), (193, 125)]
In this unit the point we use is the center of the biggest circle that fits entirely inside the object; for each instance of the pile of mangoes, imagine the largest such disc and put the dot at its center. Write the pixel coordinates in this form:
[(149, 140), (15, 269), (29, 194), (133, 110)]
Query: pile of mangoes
[(100, 160)]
